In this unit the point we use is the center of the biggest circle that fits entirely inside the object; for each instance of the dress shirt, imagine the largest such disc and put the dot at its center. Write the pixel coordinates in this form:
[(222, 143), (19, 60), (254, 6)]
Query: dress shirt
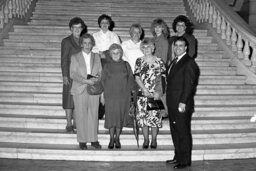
[(104, 40), (131, 52), (87, 59)]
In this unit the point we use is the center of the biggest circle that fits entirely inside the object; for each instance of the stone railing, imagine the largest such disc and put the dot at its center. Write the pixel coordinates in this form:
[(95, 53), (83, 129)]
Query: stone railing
[(10, 9), (232, 29)]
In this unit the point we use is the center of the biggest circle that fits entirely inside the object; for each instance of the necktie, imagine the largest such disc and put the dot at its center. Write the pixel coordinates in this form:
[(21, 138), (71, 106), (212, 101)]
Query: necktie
[(172, 64)]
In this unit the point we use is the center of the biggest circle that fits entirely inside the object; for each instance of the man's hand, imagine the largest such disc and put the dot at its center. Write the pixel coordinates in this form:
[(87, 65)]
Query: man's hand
[(182, 107), (65, 81)]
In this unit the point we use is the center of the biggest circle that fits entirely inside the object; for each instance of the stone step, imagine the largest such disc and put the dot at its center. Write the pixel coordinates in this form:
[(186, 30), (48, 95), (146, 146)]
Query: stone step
[(56, 77), (65, 30), (55, 54), (53, 98), (196, 125), (48, 63), (54, 45), (69, 152), (9, 60), (57, 43), (54, 111), (28, 52), (27, 37), (40, 87), (126, 139), (109, 6)]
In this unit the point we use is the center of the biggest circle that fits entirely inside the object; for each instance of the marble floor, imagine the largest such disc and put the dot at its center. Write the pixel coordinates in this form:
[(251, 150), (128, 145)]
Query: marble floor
[(43, 165)]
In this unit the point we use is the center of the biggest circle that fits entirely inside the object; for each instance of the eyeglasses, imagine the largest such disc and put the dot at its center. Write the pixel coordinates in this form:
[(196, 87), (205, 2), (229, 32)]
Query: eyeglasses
[(146, 47)]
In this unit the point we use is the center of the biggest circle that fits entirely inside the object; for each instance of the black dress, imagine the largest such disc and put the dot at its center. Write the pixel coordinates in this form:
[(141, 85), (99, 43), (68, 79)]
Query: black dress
[(68, 48), (118, 81)]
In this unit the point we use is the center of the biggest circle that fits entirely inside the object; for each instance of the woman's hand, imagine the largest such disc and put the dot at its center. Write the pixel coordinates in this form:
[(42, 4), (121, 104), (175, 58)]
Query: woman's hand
[(146, 92), (156, 96), (65, 81), (91, 81)]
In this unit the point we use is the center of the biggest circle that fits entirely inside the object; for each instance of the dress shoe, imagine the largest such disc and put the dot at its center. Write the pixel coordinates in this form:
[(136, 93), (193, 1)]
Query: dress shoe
[(111, 144), (117, 143), (96, 145), (153, 144), (145, 144), (69, 129), (180, 166), (82, 146), (173, 161)]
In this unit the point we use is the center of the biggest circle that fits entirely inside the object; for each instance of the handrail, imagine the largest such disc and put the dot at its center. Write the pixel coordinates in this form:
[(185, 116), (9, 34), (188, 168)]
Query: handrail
[(10, 9), (230, 26)]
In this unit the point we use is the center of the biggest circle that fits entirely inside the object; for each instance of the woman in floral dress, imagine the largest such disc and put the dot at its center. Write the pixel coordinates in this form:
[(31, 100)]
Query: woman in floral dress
[(148, 70)]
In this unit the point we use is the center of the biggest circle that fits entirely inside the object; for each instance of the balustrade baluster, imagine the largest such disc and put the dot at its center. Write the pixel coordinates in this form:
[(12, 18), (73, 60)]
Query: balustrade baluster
[(223, 28), (6, 12), (228, 34), (214, 17), (206, 12), (239, 46), (218, 23), (1, 16), (246, 53), (233, 40), (253, 58), (210, 14)]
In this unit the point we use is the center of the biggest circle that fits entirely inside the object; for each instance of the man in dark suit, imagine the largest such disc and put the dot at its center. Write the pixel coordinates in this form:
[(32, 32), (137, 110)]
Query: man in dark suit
[(182, 78)]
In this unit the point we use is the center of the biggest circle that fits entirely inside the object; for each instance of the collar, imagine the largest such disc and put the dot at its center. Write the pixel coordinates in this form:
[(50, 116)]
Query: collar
[(85, 54), (179, 57)]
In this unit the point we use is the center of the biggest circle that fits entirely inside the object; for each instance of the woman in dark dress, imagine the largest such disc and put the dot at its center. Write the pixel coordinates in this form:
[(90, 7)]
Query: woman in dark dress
[(118, 82), (69, 46), (182, 27)]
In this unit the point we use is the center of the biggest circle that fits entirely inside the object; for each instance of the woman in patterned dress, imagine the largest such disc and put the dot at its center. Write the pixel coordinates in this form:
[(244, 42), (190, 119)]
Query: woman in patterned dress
[(147, 71)]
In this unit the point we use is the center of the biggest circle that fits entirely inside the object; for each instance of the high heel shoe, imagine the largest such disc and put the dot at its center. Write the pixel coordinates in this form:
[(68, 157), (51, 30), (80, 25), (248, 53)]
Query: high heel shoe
[(111, 143), (117, 143), (153, 144), (145, 144)]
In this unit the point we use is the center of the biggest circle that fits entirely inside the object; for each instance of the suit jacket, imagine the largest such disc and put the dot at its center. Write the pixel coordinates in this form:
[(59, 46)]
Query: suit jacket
[(181, 83), (78, 71), (68, 48)]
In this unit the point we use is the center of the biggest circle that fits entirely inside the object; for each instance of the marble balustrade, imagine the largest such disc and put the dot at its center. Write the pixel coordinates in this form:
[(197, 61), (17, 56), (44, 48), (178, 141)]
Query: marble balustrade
[(10, 9), (236, 33)]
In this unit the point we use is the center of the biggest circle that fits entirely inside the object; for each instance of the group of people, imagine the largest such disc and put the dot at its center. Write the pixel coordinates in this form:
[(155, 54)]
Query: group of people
[(160, 68)]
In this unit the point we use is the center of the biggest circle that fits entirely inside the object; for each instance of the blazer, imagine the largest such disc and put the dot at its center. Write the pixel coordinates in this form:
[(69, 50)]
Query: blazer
[(181, 83), (78, 71)]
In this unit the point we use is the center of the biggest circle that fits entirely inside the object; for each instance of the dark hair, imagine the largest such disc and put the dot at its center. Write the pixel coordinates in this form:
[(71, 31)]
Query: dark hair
[(86, 36), (77, 20), (188, 24), (182, 39), (106, 17), (133, 26), (162, 23), (115, 46)]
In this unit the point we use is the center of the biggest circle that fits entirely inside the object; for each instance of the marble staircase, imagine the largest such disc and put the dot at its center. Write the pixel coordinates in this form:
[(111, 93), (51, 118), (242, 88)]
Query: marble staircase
[(32, 121)]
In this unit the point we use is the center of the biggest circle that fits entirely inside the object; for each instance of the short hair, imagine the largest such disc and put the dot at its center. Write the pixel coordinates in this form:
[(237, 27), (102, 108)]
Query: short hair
[(133, 26), (108, 18), (77, 20), (147, 41), (188, 24), (115, 46), (86, 36), (162, 23), (182, 39)]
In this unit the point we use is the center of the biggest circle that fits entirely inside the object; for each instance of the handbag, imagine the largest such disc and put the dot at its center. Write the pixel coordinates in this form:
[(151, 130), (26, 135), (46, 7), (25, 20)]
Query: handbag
[(154, 104), (95, 89)]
